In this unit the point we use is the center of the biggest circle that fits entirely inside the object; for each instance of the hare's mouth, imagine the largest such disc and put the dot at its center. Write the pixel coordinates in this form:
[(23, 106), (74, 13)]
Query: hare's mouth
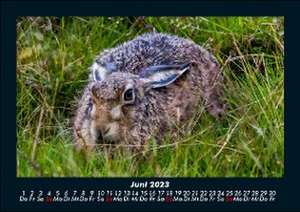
[(110, 133)]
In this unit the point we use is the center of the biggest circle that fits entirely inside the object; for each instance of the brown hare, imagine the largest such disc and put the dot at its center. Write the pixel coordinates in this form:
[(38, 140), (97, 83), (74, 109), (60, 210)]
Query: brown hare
[(143, 88)]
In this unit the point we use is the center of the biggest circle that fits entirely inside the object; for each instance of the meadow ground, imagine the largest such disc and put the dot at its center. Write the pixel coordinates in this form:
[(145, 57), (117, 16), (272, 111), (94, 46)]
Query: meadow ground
[(53, 56)]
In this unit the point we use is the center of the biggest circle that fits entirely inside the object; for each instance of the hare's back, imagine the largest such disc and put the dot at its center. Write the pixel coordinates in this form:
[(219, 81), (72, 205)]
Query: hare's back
[(152, 49)]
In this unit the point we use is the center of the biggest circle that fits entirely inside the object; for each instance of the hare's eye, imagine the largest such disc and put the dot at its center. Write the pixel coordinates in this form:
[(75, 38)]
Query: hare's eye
[(128, 96)]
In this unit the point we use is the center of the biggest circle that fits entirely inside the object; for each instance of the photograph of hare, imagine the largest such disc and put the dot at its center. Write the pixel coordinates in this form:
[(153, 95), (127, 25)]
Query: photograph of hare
[(150, 96)]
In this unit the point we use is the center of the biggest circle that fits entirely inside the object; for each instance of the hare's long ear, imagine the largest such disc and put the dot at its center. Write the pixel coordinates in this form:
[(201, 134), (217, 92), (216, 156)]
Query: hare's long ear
[(100, 72), (162, 75)]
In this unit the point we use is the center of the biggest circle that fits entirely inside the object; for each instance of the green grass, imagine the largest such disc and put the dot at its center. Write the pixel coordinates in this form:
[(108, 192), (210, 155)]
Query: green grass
[(53, 55)]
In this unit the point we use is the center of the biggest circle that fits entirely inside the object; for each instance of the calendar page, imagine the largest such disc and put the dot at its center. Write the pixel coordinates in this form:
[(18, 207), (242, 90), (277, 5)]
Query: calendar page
[(149, 105)]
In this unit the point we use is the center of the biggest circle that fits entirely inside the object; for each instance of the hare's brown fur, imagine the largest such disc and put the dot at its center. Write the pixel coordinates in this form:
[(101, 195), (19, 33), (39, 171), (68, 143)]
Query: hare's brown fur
[(154, 111)]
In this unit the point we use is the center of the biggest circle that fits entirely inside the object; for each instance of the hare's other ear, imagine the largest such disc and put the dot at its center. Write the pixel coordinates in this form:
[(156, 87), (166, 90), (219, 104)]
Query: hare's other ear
[(162, 75), (100, 72)]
